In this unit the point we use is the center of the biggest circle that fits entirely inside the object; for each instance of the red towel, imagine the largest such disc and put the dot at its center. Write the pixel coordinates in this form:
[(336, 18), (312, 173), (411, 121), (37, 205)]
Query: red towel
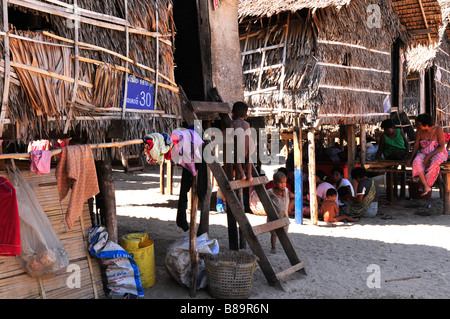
[(9, 220)]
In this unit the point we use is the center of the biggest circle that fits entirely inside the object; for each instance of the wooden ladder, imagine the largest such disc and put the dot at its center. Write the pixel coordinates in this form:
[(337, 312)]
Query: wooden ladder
[(229, 188)]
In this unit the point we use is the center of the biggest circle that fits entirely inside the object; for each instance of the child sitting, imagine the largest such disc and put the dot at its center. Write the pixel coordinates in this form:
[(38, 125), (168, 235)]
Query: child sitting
[(280, 197), (330, 209)]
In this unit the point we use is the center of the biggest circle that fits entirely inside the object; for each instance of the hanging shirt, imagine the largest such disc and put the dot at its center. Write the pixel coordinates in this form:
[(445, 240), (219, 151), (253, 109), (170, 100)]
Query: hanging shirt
[(76, 170), (187, 150), (40, 162), (9, 220)]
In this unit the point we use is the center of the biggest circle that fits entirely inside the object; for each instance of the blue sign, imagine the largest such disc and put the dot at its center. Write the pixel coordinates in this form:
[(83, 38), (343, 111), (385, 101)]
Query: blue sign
[(139, 94)]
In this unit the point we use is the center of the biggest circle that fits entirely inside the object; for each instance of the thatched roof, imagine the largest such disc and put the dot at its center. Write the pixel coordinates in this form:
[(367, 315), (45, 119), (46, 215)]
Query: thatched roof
[(420, 57), (103, 65), (423, 18), (336, 65), (267, 8)]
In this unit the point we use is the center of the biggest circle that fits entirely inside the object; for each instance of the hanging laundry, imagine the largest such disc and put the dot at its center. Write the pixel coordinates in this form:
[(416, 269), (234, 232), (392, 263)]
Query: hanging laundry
[(174, 139), (9, 220), (39, 145), (155, 152), (40, 162), (187, 150), (76, 170)]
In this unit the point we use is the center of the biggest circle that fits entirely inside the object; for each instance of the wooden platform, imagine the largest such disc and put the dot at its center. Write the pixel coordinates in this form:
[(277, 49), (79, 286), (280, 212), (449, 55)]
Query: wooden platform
[(394, 167), (16, 284)]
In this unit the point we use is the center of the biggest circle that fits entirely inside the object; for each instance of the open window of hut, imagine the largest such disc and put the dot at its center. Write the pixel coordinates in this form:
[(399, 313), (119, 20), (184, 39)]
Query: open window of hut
[(27, 20)]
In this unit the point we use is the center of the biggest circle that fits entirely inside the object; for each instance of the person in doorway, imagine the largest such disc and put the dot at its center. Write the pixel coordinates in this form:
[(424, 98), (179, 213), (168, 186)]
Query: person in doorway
[(428, 153), (393, 144)]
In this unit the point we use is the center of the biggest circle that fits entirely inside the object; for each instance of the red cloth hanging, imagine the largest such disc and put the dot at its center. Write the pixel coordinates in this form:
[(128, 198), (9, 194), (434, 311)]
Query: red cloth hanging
[(9, 220)]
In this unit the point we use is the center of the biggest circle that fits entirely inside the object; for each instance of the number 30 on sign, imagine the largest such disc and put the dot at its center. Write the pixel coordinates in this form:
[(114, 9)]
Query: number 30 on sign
[(139, 94)]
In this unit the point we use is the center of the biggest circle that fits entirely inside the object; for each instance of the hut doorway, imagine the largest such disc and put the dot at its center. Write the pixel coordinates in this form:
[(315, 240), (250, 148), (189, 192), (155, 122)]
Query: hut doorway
[(187, 56)]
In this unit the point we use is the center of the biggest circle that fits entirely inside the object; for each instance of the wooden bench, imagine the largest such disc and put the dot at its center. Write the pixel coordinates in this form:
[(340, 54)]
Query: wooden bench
[(395, 167)]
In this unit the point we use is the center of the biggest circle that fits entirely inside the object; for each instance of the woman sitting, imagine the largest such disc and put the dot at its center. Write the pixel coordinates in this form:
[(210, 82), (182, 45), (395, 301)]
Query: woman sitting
[(428, 153), (393, 143), (366, 196), (338, 181)]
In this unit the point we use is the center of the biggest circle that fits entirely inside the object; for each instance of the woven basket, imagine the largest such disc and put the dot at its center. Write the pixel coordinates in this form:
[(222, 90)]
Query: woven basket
[(230, 275)]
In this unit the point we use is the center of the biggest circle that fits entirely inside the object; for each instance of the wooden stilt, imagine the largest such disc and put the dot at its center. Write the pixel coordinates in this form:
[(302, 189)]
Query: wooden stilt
[(313, 205), (298, 173), (161, 177), (446, 200), (193, 238), (107, 189), (363, 142)]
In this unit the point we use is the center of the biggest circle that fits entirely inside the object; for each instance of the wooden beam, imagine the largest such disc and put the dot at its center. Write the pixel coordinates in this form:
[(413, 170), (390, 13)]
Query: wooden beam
[(313, 205), (7, 77), (298, 173), (424, 19)]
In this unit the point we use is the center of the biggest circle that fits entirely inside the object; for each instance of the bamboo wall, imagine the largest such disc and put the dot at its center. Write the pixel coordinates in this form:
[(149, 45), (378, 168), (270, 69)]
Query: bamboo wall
[(331, 63), (16, 284), (69, 77), (442, 83)]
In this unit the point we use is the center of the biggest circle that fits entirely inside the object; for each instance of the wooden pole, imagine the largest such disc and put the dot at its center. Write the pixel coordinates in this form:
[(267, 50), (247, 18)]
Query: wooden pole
[(422, 103), (363, 142), (76, 64), (351, 147), (446, 208), (313, 205), (127, 39), (193, 238), (7, 79), (298, 173), (161, 177), (107, 189)]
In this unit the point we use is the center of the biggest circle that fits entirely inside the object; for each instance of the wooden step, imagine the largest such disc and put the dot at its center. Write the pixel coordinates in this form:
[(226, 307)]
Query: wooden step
[(291, 270), (237, 184), (210, 107), (265, 228)]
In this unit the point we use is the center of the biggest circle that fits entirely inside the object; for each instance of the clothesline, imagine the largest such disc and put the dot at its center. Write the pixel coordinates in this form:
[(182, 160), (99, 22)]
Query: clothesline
[(21, 156)]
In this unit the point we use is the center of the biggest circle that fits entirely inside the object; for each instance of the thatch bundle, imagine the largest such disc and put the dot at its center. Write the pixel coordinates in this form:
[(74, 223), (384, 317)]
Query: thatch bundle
[(41, 102), (328, 60)]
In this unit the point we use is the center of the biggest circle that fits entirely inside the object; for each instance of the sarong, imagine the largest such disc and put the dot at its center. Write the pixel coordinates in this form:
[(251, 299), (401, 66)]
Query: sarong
[(357, 210), (432, 170)]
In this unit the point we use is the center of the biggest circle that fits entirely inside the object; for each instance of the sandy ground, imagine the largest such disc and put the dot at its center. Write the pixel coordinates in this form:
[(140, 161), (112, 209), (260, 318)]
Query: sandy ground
[(405, 256)]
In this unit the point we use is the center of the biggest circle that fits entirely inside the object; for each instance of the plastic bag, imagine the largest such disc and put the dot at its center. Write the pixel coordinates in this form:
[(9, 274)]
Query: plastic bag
[(42, 252), (178, 260), (122, 272)]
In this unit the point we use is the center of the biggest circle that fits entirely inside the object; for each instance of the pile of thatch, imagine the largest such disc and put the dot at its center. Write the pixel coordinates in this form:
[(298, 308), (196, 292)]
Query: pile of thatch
[(40, 103), (336, 66)]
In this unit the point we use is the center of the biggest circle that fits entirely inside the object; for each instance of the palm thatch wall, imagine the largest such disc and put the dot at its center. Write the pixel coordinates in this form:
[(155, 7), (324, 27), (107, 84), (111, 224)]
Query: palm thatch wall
[(442, 82), (44, 100), (430, 55), (328, 59)]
